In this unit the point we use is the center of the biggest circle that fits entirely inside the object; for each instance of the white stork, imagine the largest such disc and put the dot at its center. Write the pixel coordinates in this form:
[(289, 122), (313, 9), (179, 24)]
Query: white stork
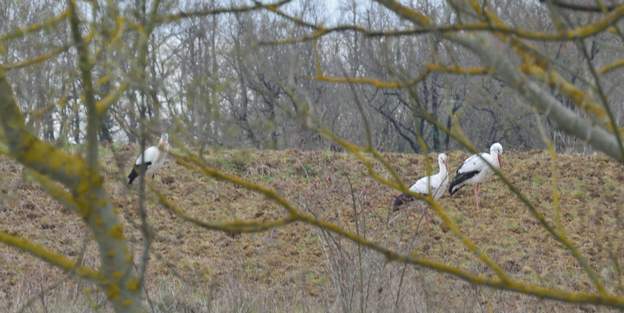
[(434, 185), (151, 159), (475, 171)]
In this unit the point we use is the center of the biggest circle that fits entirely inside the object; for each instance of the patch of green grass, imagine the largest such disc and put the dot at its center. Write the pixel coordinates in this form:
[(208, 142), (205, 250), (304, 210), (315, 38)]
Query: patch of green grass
[(538, 180), (458, 217), (305, 170), (514, 225), (610, 184), (237, 161), (316, 278), (251, 267), (579, 191), (327, 155), (267, 179)]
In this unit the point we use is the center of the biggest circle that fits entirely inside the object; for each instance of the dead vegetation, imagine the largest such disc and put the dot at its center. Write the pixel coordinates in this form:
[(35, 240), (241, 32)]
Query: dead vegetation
[(301, 269)]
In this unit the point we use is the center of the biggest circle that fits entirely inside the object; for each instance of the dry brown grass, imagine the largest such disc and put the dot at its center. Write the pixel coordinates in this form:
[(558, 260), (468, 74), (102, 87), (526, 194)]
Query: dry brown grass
[(300, 269)]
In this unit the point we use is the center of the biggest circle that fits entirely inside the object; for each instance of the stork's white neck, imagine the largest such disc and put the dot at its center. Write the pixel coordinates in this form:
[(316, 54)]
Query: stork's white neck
[(495, 157), (163, 146), (442, 166)]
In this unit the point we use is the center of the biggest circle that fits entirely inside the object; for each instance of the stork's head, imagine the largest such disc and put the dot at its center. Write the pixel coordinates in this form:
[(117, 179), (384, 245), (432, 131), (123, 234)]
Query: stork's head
[(497, 150)]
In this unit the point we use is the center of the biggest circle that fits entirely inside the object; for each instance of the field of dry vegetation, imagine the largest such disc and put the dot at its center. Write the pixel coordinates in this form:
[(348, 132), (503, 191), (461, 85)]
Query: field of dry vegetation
[(297, 268)]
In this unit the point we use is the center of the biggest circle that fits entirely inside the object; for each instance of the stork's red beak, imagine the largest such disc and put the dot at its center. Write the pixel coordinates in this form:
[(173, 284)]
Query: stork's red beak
[(500, 161)]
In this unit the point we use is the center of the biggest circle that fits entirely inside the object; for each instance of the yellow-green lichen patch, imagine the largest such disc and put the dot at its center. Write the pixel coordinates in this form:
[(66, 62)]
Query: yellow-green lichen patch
[(112, 292), (117, 275), (133, 284), (116, 232)]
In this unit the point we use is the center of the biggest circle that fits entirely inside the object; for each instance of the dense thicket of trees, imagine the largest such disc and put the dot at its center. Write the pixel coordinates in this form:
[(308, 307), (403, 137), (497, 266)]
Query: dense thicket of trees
[(221, 79)]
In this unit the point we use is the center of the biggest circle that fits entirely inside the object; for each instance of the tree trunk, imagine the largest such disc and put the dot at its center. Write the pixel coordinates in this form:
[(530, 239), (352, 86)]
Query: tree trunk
[(435, 104)]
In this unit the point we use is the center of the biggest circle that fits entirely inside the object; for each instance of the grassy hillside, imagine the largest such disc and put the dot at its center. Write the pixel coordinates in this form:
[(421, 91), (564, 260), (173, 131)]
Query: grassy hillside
[(298, 268)]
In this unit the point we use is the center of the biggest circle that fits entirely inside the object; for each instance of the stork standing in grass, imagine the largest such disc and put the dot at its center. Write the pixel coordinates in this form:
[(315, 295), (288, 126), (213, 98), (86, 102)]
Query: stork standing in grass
[(434, 185), (475, 170), (151, 159)]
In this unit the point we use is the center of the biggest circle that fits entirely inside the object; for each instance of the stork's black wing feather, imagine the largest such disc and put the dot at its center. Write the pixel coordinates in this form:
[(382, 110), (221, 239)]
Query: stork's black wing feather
[(136, 170), (459, 179)]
